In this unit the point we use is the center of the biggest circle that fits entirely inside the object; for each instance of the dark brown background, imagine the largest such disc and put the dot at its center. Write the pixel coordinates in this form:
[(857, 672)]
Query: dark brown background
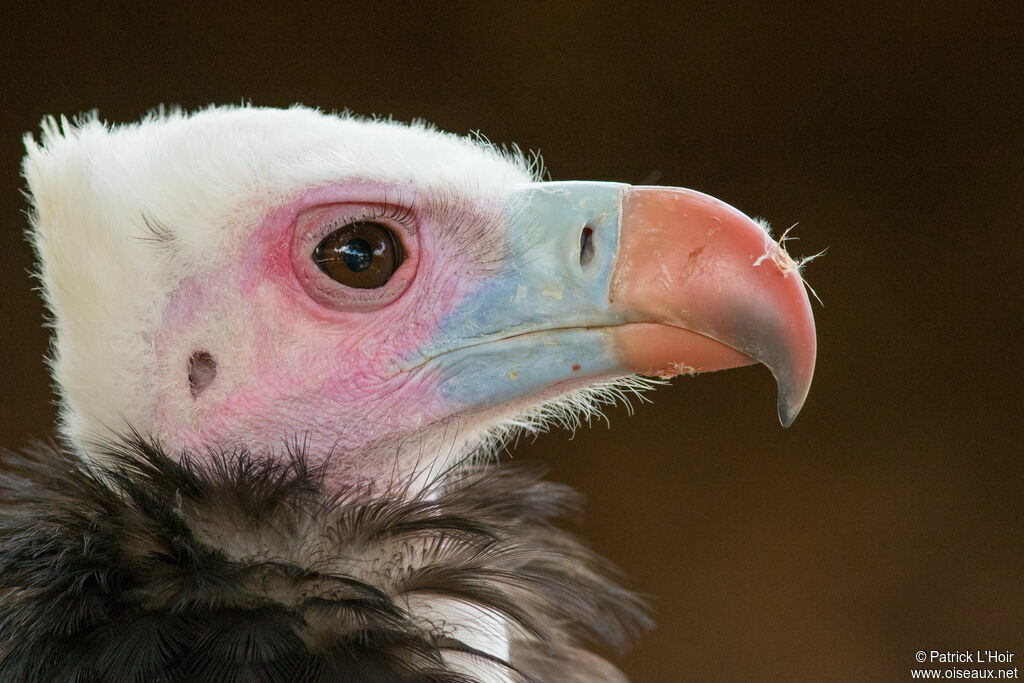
[(888, 518)]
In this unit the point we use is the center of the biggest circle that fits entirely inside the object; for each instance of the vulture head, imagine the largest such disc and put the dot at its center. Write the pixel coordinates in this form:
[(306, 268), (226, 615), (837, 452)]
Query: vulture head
[(346, 314)]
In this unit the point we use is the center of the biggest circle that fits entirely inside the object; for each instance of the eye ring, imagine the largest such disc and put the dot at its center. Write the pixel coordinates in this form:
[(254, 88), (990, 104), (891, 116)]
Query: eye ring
[(339, 273), (361, 255)]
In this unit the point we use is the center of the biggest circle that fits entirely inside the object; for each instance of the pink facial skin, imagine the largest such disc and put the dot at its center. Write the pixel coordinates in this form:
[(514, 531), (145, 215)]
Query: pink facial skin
[(302, 359)]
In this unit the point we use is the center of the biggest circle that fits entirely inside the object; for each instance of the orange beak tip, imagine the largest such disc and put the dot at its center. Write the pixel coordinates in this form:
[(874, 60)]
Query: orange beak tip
[(684, 267)]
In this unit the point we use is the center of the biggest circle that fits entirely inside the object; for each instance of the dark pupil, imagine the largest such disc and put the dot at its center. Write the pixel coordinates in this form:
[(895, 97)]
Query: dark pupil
[(358, 254), (363, 254)]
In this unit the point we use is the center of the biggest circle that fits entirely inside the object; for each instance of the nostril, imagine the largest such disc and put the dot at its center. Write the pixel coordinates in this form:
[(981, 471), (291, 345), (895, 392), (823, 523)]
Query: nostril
[(202, 368), (586, 246)]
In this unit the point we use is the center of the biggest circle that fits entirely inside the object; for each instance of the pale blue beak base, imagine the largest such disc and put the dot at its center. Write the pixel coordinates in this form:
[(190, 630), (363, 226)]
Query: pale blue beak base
[(536, 322)]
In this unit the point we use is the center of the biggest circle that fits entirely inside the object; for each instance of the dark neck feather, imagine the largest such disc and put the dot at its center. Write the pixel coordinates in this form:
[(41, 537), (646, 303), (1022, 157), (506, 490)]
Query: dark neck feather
[(236, 568)]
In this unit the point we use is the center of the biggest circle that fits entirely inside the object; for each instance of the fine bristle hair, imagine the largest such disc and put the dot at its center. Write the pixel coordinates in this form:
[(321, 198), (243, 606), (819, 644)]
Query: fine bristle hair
[(569, 411), (232, 567), (778, 254)]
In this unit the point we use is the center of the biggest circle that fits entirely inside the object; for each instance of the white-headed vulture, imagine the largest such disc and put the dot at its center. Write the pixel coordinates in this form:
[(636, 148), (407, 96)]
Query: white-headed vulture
[(288, 346)]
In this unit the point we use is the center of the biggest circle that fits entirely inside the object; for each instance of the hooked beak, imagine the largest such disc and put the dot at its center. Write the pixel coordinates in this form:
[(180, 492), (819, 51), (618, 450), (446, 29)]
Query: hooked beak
[(604, 279), (714, 283)]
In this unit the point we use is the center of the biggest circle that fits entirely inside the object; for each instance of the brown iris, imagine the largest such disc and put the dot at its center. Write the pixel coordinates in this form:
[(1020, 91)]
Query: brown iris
[(363, 255)]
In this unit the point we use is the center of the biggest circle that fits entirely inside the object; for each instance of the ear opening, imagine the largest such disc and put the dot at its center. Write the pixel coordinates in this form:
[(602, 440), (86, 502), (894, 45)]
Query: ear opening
[(202, 369)]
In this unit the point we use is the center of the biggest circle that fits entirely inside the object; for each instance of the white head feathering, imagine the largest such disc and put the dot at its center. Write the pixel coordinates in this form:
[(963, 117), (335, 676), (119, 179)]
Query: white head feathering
[(101, 197)]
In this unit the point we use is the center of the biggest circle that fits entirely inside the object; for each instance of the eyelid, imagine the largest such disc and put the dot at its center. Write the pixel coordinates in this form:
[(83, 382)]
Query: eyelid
[(387, 214)]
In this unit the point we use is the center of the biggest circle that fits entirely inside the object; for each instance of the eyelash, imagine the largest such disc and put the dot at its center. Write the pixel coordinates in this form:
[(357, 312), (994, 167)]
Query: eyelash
[(402, 215)]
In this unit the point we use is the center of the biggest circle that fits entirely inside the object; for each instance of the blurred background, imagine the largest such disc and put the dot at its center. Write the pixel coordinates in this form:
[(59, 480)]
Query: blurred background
[(888, 519)]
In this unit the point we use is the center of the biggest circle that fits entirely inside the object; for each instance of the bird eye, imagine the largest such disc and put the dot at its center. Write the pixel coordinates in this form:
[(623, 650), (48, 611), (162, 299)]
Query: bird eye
[(362, 255), (354, 256)]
